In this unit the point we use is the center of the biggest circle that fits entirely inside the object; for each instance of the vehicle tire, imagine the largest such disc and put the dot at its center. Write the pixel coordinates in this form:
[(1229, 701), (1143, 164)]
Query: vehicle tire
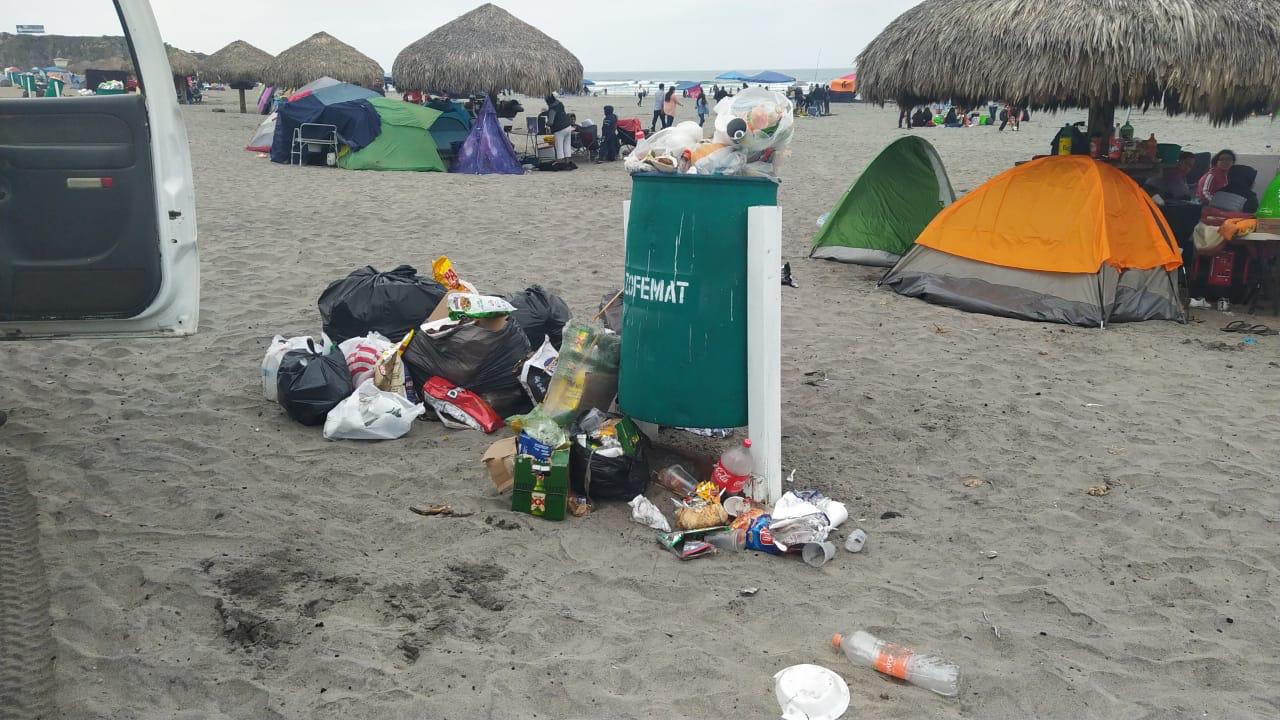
[(26, 646)]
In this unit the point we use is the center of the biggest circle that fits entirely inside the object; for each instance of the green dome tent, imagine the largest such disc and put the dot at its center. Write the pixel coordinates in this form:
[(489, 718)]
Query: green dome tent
[(405, 142), (879, 217)]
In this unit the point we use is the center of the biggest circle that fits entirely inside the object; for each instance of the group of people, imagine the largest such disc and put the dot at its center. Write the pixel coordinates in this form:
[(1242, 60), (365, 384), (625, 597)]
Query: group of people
[(815, 102), (665, 103), (1223, 192), (926, 116)]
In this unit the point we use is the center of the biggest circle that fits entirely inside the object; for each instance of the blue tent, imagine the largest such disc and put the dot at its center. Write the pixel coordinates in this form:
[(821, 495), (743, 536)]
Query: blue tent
[(732, 75), (588, 83), (770, 77), (342, 105)]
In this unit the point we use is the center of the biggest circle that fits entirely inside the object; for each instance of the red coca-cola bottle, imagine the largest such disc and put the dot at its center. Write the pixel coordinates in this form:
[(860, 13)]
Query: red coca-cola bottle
[(733, 469)]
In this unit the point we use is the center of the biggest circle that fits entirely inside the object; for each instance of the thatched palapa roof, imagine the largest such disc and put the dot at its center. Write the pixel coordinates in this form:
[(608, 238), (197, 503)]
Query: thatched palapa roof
[(237, 63), (182, 62), (487, 49), (107, 63), (319, 55), (1216, 58)]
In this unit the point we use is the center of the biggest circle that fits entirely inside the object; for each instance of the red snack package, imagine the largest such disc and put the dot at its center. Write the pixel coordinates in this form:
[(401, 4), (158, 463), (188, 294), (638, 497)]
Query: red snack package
[(459, 407)]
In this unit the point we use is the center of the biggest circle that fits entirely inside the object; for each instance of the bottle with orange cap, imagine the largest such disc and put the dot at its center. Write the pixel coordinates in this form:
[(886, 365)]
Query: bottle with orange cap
[(927, 671)]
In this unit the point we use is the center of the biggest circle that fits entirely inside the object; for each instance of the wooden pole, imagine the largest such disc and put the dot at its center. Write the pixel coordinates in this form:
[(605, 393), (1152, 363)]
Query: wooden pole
[(242, 107), (764, 349)]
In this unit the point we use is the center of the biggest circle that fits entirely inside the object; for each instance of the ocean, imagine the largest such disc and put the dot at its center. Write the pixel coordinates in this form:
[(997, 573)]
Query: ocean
[(630, 81)]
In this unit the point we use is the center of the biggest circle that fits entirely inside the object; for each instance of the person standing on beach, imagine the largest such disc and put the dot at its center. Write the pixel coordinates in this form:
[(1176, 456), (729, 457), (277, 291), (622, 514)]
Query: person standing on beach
[(669, 103), (700, 105), (562, 130), (608, 136), (640, 97), (657, 108), (904, 113)]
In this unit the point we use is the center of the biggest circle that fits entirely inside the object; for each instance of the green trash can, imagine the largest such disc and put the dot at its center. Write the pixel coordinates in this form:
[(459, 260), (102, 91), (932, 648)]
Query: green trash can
[(54, 89), (684, 300), (27, 82)]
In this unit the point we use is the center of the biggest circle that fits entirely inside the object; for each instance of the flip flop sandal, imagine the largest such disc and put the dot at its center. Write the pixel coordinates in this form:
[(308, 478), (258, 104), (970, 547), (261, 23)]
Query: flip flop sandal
[(1236, 326), (1260, 330)]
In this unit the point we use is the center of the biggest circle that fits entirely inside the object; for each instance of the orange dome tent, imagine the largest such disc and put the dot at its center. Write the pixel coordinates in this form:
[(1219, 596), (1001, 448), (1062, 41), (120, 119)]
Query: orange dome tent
[(844, 88), (1060, 239)]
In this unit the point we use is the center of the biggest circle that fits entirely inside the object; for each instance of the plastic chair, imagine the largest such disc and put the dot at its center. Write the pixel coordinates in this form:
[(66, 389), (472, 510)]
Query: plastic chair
[(311, 138)]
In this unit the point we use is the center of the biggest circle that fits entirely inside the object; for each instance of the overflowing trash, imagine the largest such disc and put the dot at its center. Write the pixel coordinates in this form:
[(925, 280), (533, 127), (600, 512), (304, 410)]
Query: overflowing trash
[(388, 303), (752, 132), (926, 671)]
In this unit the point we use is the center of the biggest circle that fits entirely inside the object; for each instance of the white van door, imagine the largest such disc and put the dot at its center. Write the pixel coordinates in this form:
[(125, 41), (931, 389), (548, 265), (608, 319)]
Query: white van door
[(97, 206)]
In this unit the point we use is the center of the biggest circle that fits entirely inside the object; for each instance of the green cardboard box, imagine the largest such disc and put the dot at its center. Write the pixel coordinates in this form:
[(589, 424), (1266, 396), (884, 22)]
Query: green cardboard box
[(542, 490), (628, 436)]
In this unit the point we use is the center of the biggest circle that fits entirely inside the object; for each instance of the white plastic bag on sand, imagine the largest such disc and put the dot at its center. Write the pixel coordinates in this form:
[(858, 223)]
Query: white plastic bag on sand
[(362, 354), (275, 353), (646, 513), (661, 151), (810, 692), (797, 521), (371, 414)]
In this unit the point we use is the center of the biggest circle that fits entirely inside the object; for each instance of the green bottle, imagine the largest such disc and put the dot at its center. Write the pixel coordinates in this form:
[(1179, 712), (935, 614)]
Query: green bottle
[(1126, 131)]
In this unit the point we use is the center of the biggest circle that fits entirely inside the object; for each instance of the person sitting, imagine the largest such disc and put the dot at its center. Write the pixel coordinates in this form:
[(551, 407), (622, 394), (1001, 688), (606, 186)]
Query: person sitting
[(921, 118), (1216, 177), (951, 121), (441, 103), (1171, 185), (1236, 199)]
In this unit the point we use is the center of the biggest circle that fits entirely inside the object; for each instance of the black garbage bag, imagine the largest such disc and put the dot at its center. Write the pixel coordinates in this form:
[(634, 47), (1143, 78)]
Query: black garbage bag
[(309, 384), (486, 362), (606, 478), (540, 314), (365, 301)]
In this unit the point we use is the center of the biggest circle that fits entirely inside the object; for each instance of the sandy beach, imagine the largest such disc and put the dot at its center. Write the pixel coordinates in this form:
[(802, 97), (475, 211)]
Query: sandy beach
[(210, 558)]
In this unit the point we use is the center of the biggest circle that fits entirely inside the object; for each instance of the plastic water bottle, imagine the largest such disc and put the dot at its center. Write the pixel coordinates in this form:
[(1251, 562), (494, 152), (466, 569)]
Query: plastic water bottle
[(733, 469), (927, 671)]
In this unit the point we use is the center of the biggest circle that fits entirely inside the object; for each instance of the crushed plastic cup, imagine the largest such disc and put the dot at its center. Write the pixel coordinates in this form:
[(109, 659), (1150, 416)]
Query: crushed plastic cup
[(855, 541), (735, 505), (810, 692), (818, 554)]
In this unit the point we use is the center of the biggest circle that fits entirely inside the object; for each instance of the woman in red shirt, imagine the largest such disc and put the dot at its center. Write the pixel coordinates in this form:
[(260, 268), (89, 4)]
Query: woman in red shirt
[(1216, 177)]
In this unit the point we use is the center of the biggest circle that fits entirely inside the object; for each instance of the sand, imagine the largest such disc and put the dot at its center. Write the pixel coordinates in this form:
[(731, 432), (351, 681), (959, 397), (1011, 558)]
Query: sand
[(209, 558)]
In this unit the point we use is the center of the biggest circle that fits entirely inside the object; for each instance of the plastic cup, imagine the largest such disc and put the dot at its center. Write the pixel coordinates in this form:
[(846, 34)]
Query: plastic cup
[(735, 505), (855, 541), (818, 554), (678, 480), (836, 512)]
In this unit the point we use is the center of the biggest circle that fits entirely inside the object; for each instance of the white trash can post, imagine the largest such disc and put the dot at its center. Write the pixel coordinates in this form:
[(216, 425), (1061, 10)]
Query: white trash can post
[(764, 349)]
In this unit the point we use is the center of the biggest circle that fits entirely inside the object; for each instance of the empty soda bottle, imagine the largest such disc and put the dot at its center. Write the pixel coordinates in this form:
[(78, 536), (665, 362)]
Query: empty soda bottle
[(733, 469), (929, 672)]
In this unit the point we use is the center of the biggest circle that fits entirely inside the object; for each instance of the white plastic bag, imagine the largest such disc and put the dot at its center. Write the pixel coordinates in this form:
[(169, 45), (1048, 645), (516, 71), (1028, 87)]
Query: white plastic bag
[(646, 513), (275, 353), (371, 414), (363, 353), (662, 150)]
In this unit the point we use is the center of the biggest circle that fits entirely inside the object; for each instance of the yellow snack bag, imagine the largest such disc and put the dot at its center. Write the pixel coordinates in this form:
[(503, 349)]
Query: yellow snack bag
[(442, 270)]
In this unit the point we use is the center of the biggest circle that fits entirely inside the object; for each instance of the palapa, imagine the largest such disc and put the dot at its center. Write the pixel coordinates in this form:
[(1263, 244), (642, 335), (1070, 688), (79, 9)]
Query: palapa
[(181, 62), (487, 50), (239, 65), (1203, 58), (319, 55)]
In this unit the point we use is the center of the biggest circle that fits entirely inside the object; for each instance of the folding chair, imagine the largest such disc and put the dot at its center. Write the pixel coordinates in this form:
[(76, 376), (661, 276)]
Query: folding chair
[(312, 138)]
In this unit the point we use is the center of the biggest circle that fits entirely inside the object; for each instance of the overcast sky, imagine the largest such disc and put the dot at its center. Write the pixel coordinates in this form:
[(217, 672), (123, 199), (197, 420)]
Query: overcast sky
[(607, 35)]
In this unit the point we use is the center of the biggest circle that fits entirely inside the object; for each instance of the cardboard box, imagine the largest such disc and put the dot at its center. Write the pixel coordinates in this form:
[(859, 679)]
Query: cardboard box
[(542, 490), (500, 461), (628, 435)]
